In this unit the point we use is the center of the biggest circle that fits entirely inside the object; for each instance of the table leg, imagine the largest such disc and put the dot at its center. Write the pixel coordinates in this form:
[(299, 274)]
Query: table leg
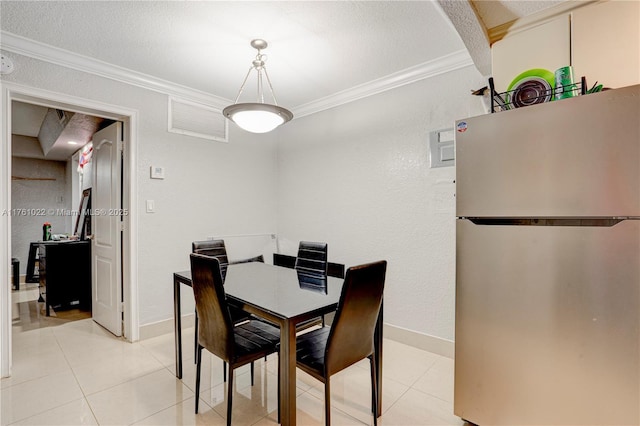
[(287, 373), (46, 293), (378, 351), (177, 320)]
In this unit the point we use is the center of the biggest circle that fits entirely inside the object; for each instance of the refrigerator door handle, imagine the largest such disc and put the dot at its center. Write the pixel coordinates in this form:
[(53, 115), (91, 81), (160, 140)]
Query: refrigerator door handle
[(582, 221)]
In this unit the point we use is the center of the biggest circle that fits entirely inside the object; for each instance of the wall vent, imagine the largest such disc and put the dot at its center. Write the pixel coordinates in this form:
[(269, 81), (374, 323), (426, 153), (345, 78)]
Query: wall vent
[(200, 121)]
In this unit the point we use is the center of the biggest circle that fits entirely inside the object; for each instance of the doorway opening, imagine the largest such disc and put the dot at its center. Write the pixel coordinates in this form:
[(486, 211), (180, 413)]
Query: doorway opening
[(127, 120), (51, 182)]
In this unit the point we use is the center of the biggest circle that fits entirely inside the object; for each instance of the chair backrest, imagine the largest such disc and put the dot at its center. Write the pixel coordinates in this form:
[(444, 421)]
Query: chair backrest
[(352, 332), (317, 283), (213, 248), (215, 330), (259, 258), (312, 258)]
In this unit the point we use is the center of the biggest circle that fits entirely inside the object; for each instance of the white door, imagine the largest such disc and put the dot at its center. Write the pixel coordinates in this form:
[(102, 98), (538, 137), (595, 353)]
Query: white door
[(106, 248)]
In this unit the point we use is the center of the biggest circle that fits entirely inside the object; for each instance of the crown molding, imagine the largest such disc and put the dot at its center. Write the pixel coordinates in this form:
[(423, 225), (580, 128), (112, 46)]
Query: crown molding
[(441, 65), (47, 53), (44, 52)]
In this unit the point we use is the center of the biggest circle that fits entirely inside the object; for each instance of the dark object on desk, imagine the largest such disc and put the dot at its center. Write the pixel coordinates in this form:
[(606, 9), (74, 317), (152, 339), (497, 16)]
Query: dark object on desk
[(65, 274), (83, 220), (326, 351), (46, 232), (15, 273), (236, 345)]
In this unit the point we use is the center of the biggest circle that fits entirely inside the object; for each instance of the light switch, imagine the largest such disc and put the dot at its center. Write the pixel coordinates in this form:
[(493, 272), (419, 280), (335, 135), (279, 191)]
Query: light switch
[(157, 172), (151, 206)]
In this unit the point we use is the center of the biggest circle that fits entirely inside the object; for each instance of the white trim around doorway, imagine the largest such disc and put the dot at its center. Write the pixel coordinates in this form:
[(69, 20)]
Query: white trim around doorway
[(11, 92)]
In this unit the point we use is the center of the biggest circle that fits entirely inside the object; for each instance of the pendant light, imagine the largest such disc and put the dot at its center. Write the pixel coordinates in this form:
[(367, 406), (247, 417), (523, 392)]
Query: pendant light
[(257, 117)]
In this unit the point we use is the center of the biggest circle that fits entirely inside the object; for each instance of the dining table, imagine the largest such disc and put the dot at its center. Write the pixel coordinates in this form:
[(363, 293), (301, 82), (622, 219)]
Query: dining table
[(277, 295)]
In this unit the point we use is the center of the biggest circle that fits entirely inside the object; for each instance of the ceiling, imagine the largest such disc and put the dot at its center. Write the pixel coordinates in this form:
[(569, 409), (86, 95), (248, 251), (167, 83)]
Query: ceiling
[(317, 49), (48, 133)]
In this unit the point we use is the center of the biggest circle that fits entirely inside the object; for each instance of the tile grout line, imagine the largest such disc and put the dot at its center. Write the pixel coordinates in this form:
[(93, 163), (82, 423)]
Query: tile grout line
[(84, 396)]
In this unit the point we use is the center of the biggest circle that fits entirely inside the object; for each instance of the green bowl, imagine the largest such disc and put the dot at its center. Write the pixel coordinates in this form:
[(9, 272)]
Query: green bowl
[(539, 75)]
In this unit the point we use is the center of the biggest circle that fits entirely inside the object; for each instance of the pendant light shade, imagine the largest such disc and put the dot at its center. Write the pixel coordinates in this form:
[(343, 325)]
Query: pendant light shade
[(257, 117)]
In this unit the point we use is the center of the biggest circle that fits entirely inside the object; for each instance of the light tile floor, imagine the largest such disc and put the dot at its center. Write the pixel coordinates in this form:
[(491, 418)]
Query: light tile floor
[(79, 374)]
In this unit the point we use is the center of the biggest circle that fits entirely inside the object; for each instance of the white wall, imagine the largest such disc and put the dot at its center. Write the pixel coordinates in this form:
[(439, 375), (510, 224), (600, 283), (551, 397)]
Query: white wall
[(210, 188), (40, 200), (355, 176), (358, 178)]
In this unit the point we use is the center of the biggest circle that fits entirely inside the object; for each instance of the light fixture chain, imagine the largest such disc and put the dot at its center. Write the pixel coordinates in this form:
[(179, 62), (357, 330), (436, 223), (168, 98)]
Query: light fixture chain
[(260, 93), (273, 94), (242, 86)]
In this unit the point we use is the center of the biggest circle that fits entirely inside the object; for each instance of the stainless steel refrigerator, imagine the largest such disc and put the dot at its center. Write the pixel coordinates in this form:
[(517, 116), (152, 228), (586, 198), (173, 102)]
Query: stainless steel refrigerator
[(548, 263)]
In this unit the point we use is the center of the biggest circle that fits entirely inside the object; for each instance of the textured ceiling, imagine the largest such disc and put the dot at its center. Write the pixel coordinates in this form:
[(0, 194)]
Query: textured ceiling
[(495, 13), (316, 49)]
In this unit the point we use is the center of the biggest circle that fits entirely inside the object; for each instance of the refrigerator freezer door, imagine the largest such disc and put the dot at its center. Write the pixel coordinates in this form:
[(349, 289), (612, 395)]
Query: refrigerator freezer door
[(567, 158), (548, 324)]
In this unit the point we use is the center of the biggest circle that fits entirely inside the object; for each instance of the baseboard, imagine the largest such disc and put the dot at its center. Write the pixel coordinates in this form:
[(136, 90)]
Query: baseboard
[(418, 340), (149, 331)]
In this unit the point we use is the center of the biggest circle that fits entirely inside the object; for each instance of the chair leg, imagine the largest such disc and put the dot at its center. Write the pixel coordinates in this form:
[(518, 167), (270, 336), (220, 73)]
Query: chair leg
[(374, 390), (229, 397), (251, 373), (198, 365), (224, 370), (327, 403), (279, 389), (195, 351)]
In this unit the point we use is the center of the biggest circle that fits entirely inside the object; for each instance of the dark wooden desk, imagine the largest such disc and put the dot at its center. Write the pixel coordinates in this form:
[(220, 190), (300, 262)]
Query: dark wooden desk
[(65, 273), (274, 293), (32, 262)]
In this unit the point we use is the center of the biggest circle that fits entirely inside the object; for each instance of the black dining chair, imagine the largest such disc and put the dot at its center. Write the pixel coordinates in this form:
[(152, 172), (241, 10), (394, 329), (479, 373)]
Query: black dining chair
[(328, 350), (311, 265), (217, 249), (312, 258), (213, 248), (237, 345)]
